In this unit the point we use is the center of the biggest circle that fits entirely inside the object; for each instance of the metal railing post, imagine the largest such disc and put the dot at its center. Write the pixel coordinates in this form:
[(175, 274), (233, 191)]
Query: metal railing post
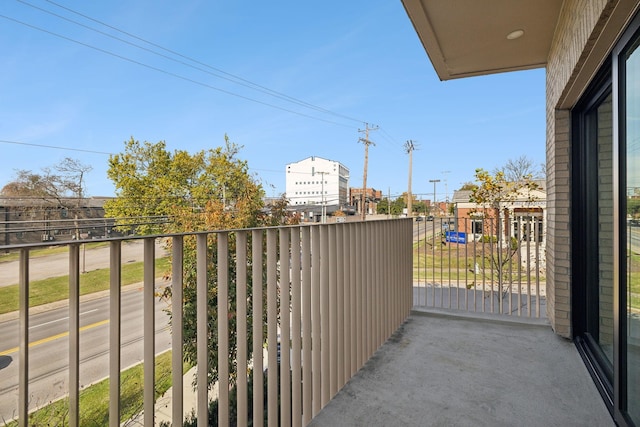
[(74, 335), (223, 327), (285, 327), (272, 328), (177, 271), (258, 337), (149, 330), (241, 326), (202, 327), (307, 363), (23, 380), (115, 280)]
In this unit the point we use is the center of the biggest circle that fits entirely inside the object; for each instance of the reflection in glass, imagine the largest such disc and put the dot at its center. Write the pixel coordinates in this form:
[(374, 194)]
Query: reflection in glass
[(633, 241), (603, 331)]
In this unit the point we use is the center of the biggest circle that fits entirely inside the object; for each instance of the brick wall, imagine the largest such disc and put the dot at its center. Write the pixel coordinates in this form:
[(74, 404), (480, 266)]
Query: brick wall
[(579, 25)]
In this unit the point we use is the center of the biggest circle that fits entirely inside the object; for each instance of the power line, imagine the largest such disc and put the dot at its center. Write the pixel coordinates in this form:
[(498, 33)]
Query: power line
[(232, 77), (178, 76), (4, 141), (172, 74)]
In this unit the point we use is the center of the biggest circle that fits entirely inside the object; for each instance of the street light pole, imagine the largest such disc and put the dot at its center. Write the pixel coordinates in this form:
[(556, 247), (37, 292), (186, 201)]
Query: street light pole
[(434, 193)]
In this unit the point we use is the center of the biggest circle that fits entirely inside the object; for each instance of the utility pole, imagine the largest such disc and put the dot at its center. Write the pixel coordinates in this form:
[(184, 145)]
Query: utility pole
[(324, 209), (446, 192), (434, 194), (409, 147), (366, 143)]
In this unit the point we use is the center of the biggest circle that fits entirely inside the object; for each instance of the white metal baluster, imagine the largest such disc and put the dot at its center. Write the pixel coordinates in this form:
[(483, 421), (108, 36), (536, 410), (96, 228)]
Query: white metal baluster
[(23, 380), (115, 281), (149, 330), (528, 268), (74, 335), (258, 338), (241, 325), (272, 328), (343, 357), (223, 328), (325, 369), (361, 337), (285, 328), (333, 311), (296, 319), (315, 320), (177, 271), (538, 237), (351, 300), (307, 363), (202, 327)]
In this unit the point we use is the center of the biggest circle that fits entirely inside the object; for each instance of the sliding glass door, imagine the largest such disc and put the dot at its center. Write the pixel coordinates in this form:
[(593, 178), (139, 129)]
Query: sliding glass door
[(593, 231), (606, 228), (630, 137)]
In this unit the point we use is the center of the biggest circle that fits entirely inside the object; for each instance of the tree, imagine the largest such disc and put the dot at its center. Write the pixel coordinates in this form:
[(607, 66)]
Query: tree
[(493, 195), (394, 207), (59, 183), (468, 186), (62, 185), (208, 190), (398, 205), (518, 169), (420, 207), (25, 184), (383, 207), (188, 191)]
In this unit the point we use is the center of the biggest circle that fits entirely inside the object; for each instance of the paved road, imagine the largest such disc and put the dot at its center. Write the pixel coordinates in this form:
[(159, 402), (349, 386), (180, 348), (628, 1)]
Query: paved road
[(58, 264), (424, 229), (48, 358)]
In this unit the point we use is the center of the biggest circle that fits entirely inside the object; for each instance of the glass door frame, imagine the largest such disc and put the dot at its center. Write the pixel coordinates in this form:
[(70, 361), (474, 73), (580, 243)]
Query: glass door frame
[(611, 78), (584, 233)]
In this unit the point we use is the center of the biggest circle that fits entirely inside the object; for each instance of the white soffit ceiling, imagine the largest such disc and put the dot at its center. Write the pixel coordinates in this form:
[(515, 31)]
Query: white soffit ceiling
[(469, 37)]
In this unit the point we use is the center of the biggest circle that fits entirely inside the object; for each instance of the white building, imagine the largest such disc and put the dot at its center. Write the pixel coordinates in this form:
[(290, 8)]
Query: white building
[(317, 181)]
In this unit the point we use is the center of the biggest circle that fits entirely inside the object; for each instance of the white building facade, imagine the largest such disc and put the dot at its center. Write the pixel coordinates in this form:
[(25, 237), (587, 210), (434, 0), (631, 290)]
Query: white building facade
[(317, 181)]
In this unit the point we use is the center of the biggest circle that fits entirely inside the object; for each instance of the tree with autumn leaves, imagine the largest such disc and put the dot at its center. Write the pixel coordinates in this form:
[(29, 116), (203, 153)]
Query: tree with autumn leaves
[(208, 190), (494, 195)]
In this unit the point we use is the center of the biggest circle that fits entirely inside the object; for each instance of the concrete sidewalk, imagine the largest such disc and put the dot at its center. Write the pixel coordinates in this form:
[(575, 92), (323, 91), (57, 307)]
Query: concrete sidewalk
[(446, 370)]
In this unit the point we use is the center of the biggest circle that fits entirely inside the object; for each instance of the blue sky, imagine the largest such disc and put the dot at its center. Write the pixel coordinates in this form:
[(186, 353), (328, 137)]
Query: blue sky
[(354, 62)]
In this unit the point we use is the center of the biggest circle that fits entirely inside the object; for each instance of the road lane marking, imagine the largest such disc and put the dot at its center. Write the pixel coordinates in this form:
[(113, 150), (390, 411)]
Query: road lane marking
[(61, 319), (54, 337)]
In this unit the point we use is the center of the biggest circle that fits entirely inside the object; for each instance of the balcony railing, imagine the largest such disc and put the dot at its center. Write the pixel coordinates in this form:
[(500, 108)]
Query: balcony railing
[(322, 299), (483, 265)]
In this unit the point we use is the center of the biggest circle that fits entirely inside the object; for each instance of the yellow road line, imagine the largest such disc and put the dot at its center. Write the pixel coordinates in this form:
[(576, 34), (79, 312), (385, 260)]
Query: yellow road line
[(54, 337)]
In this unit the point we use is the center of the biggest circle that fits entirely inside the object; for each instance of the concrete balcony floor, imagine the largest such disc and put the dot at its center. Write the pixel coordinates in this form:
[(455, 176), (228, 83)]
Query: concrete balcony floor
[(444, 369)]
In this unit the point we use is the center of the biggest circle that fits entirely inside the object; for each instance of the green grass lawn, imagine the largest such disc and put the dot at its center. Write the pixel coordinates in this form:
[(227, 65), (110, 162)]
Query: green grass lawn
[(57, 288), (36, 253), (457, 264), (94, 400)]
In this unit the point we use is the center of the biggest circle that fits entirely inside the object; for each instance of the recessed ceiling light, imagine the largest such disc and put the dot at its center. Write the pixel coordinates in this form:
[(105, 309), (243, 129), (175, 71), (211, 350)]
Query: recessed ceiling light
[(515, 34)]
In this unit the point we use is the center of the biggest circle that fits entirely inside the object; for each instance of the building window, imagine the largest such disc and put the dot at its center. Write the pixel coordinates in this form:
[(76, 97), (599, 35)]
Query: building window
[(476, 226)]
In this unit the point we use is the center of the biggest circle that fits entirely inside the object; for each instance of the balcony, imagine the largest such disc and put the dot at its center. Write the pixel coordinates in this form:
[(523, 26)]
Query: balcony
[(338, 317)]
